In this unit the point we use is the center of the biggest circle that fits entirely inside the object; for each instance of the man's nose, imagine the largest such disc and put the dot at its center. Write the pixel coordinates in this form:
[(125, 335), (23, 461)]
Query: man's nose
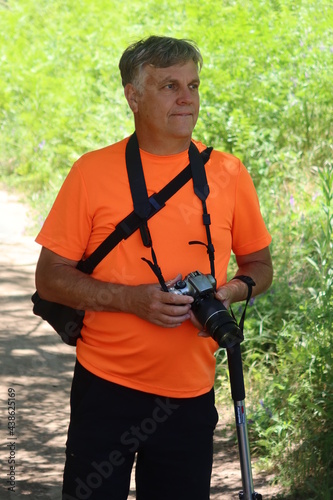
[(184, 96)]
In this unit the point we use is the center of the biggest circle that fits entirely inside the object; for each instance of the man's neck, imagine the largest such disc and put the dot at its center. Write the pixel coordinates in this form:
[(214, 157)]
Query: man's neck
[(164, 147)]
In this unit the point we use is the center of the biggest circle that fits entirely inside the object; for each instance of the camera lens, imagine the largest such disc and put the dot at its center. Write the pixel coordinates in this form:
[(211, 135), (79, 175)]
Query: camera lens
[(211, 313), (224, 329)]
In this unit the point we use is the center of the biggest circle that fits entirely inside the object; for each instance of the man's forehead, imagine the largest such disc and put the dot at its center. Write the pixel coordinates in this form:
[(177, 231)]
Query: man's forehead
[(173, 72)]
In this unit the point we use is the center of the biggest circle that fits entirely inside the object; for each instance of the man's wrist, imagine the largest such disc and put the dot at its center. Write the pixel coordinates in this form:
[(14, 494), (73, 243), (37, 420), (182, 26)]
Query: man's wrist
[(240, 289), (248, 282), (235, 291)]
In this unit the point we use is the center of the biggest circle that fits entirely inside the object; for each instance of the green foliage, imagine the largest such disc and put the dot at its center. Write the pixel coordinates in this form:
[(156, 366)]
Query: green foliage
[(290, 361), (266, 96)]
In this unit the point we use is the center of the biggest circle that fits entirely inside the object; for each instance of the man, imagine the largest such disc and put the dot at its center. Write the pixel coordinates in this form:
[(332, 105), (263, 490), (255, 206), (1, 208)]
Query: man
[(143, 382)]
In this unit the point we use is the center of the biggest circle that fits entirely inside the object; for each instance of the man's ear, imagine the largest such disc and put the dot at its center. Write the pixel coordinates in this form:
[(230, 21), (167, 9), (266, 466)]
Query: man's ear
[(131, 95)]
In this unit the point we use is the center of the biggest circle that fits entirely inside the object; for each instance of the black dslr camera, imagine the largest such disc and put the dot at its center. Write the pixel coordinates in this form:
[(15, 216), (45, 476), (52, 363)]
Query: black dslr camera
[(209, 311)]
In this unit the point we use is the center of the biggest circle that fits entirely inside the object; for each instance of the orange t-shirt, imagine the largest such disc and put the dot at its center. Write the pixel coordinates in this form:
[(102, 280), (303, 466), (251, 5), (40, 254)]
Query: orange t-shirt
[(95, 196)]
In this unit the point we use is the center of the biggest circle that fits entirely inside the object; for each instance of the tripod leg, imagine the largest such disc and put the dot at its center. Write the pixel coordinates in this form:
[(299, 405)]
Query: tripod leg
[(244, 450), (238, 395)]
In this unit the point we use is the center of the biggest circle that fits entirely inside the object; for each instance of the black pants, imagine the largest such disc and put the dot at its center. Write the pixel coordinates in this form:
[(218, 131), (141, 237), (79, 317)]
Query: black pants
[(172, 437)]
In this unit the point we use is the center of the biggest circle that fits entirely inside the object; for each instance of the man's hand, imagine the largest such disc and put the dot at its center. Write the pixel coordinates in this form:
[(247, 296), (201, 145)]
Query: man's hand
[(149, 302)]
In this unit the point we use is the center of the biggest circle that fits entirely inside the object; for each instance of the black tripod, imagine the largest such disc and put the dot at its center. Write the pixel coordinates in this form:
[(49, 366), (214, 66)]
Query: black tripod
[(238, 396)]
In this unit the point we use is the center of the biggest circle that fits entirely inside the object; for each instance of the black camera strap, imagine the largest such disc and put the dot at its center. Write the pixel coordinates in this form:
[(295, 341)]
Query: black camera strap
[(201, 189), (250, 284), (143, 209), (68, 321), (144, 205)]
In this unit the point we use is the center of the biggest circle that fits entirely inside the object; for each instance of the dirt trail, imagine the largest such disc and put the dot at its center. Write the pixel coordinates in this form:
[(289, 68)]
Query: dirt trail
[(37, 367)]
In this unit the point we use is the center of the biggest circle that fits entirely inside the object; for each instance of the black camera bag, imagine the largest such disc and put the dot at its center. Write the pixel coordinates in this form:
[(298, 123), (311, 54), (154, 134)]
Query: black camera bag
[(64, 320), (67, 321)]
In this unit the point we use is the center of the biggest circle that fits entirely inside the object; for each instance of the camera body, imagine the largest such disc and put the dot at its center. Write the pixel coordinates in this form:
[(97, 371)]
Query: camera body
[(209, 311), (195, 284)]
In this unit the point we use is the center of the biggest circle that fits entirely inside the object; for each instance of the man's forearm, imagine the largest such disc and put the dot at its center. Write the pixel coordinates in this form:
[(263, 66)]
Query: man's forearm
[(69, 286), (58, 280), (257, 266), (261, 275)]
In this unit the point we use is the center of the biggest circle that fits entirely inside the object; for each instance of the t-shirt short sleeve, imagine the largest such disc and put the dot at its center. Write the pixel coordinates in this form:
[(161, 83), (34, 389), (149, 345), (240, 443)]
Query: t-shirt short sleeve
[(67, 228)]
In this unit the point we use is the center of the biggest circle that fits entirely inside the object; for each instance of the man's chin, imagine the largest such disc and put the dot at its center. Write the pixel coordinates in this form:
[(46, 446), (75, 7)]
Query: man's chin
[(182, 131)]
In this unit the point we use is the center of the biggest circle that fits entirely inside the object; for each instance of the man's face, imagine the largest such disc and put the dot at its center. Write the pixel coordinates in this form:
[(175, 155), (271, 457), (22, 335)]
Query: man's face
[(165, 107)]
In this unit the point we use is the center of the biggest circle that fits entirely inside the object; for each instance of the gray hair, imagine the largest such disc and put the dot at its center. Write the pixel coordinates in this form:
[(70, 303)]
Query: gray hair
[(158, 51)]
